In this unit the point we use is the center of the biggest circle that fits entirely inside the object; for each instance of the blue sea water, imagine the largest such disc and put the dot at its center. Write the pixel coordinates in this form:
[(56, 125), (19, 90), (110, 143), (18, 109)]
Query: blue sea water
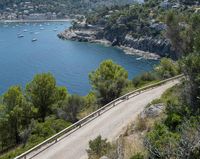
[(70, 62)]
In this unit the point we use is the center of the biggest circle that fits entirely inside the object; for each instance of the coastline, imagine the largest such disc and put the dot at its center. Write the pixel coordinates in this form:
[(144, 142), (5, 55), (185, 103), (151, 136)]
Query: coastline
[(89, 35), (143, 54), (128, 50), (32, 21), (131, 51)]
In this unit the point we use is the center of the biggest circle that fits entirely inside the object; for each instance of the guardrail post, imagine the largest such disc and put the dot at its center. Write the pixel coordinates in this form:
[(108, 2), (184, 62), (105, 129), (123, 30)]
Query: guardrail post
[(99, 113), (127, 97), (25, 157), (113, 104)]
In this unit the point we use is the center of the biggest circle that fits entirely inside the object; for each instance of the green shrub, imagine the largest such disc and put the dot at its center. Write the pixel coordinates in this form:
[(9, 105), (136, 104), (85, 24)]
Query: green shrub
[(161, 140), (40, 132), (138, 156), (98, 148), (167, 68), (72, 106), (144, 79), (44, 130), (90, 100)]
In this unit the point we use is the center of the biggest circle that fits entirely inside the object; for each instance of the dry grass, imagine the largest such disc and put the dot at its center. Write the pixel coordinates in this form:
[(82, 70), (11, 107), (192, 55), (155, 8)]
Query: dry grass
[(134, 135), (133, 144), (141, 124)]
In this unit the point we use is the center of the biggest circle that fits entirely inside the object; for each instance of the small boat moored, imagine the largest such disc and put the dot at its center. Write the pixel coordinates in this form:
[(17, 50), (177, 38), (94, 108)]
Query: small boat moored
[(139, 58), (20, 36), (34, 39)]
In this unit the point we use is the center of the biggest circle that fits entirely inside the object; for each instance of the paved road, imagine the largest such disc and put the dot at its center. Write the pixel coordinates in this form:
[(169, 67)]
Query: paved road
[(108, 125)]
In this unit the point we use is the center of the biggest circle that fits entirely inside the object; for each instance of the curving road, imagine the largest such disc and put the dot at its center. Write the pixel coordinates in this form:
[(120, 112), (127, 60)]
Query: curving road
[(108, 125)]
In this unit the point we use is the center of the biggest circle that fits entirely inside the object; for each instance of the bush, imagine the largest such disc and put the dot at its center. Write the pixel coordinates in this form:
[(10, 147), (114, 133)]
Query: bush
[(72, 106), (167, 68), (98, 148), (138, 156), (90, 101), (40, 132), (144, 79), (51, 126), (161, 141)]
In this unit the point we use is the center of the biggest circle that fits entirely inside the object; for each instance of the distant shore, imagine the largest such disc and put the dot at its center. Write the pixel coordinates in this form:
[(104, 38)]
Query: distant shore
[(29, 21)]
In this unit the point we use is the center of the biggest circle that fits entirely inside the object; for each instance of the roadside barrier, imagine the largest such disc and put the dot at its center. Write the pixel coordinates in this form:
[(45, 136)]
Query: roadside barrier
[(59, 136)]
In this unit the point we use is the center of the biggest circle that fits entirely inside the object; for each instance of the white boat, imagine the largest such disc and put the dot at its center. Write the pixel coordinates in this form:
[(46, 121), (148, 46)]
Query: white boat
[(20, 36), (25, 30), (139, 58), (41, 28), (55, 29), (34, 39)]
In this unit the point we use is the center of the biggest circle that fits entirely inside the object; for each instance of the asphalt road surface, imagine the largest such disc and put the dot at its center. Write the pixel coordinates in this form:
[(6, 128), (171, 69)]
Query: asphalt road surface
[(109, 125)]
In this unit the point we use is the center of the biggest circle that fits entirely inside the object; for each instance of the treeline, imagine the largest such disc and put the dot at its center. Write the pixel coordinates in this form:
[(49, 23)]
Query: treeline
[(66, 6), (29, 116), (120, 21)]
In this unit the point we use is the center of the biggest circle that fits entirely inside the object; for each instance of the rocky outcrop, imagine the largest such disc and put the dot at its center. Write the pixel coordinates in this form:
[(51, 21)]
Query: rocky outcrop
[(153, 111), (147, 47), (159, 46), (78, 35), (84, 35)]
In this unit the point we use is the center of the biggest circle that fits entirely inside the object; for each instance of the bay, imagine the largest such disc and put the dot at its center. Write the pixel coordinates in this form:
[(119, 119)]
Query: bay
[(70, 62)]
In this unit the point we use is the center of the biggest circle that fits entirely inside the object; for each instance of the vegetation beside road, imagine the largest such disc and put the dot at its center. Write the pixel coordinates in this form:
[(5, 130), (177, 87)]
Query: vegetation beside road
[(177, 133)]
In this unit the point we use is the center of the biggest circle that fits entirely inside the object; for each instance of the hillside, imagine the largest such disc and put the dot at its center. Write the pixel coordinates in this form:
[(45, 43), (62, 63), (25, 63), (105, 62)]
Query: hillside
[(139, 26), (21, 9)]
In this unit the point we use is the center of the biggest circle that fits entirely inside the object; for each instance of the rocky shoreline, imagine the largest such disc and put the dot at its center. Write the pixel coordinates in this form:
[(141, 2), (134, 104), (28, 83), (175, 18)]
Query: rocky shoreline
[(90, 35), (143, 54)]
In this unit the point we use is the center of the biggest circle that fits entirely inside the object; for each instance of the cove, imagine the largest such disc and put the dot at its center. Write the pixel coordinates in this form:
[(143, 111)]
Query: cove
[(70, 62)]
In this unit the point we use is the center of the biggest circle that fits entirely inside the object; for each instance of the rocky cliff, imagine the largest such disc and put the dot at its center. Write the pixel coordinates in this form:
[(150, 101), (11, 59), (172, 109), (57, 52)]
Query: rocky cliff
[(158, 46)]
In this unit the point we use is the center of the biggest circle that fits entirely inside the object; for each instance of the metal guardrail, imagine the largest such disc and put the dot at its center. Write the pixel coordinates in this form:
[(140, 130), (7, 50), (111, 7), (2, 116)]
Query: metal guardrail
[(55, 138)]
